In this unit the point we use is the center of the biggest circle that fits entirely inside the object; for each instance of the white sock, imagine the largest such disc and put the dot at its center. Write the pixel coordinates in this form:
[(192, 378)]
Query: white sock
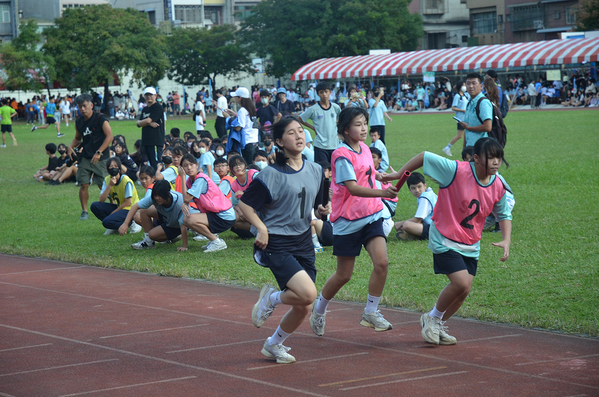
[(321, 305), (278, 337), (436, 313), (147, 237), (315, 241), (372, 303), (275, 298)]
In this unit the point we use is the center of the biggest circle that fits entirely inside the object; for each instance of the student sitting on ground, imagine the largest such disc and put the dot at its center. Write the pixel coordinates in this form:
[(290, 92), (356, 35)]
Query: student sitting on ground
[(46, 173), (260, 159), (217, 214), (165, 207), (169, 168), (68, 170), (417, 227), (206, 160), (375, 138), (147, 178), (128, 166), (221, 167), (120, 190)]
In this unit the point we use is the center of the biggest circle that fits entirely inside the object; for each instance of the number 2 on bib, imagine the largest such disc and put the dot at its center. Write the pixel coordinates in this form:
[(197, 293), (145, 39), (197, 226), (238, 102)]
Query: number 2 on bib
[(467, 219)]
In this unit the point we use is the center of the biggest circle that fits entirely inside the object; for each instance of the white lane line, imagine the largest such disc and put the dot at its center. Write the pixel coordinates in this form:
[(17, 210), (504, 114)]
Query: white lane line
[(154, 330), (6, 395), (165, 361), (127, 386), (308, 361), (559, 359), (343, 382), (44, 270), (402, 380), (489, 338), (59, 367), (25, 347), (216, 346)]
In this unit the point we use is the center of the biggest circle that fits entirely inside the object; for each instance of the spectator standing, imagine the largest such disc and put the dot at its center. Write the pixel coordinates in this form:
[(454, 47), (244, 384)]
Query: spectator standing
[(151, 122), (246, 116), (474, 128), (378, 112), (176, 103), (7, 114), (221, 105)]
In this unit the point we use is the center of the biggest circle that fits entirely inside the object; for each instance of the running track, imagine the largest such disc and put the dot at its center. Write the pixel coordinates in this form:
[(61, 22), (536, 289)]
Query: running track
[(75, 330)]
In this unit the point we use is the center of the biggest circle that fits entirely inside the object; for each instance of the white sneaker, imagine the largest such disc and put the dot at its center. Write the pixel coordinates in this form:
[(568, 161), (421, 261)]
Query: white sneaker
[(134, 228), (216, 245), (430, 328), (317, 321), (445, 338), (3, 145), (201, 237), (108, 232), (375, 320), (263, 308), (143, 244), (33, 128), (447, 151), (277, 351)]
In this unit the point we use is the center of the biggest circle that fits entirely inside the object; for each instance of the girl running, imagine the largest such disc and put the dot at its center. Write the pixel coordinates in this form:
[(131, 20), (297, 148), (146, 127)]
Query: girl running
[(278, 205), (356, 219), (468, 193)]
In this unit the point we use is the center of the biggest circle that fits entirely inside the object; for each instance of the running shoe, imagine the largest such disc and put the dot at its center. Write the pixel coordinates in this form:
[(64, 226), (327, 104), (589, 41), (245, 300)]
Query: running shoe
[(216, 245), (447, 151), (135, 228), (375, 320), (278, 351), (263, 308), (317, 321), (143, 244), (84, 216), (108, 232), (430, 328), (445, 338)]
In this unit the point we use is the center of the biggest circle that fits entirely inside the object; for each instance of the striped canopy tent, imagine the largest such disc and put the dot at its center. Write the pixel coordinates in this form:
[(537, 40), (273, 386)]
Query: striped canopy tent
[(503, 56)]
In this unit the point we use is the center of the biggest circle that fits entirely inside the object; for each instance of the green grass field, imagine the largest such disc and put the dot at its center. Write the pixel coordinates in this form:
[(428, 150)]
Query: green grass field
[(550, 280)]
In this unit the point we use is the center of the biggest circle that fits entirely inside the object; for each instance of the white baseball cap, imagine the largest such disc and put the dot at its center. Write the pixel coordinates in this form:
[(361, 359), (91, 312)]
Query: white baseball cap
[(241, 92), (150, 90)]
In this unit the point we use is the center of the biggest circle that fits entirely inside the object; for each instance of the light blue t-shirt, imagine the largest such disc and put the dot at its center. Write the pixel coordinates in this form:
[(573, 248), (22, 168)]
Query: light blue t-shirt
[(385, 159), (50, 109), (325, 124), (460, 102), (172, 215), (205, 160), (344, 171), (199, 187), (443, 171), (377, 113), (470, 118), (169, 175)]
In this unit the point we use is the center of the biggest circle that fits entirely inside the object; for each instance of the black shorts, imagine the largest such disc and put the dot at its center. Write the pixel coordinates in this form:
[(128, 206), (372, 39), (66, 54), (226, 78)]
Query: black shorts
[(216, 224), (425, 228), (460, 128), (326, 234), (171, 232), (351, 244), (451, 262), (284, 265), (6, 127), (50, 120)]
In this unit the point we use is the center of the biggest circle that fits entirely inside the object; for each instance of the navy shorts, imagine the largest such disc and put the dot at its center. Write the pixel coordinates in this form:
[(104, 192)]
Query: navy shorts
[(171, 232), (6, 127), (326, 234), (451, 262), (284, 265), (216, 224), (351, 244), (50, 120), (460, 128), (425, 228)]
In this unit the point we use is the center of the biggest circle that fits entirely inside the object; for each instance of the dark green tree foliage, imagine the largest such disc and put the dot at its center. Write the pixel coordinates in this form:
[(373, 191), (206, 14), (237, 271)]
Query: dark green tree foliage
[(293, 33), (197, 54), (28, 69), (587, 17), (92, 44)]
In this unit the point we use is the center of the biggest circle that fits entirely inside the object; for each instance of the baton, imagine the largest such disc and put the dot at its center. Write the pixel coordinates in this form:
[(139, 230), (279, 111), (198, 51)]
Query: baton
[(402, 180)]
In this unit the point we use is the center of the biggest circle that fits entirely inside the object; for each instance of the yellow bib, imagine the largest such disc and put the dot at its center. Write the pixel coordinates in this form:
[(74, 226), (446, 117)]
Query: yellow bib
[(117, 192)]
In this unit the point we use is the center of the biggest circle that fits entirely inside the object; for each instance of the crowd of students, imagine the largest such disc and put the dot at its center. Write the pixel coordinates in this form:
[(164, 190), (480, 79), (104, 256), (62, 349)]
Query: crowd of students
[(268, 179)]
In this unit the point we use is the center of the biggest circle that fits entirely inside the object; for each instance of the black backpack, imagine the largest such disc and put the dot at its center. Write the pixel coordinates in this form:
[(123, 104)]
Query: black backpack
[(498, 130)]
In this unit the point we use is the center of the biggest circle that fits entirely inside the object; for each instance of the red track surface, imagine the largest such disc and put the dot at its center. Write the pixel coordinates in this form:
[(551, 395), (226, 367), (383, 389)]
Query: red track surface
[(73, 330)]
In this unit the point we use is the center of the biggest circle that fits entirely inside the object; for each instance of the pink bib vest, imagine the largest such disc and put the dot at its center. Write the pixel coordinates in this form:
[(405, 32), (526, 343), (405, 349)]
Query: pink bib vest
[(463, 206), (235, 186), (344, 204), (213, 200)]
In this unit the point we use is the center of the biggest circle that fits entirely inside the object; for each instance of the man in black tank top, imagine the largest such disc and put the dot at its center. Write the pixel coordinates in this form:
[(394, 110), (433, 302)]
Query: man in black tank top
[(93, 132)]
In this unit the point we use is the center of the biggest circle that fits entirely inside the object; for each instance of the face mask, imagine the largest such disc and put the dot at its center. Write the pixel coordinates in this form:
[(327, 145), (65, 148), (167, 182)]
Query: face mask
[(463, 89), (261, 164), (264, 101), (189, 144), (202, 150), (62, 151), (113, 171), (220, 152), (267, 142), (167, 159)]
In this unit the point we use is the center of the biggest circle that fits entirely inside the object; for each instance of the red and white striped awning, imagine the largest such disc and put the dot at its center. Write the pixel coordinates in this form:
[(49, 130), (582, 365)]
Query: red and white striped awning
[(551, 52)]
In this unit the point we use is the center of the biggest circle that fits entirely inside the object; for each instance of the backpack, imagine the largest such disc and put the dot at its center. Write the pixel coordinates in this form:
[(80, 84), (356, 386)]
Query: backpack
[(498, 130), (505, 105)]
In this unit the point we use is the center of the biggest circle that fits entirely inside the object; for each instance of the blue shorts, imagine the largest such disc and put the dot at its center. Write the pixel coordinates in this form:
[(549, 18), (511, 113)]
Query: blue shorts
[(171, 232), (284, 265), (451, 262), (216, 224), (351, 244), (425, 229)]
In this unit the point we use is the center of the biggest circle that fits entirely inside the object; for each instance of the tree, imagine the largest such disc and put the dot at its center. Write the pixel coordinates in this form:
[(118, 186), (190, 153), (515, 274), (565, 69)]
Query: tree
[(28, 69), (197, 55), (327, 28), (587, 17), (92, 44)]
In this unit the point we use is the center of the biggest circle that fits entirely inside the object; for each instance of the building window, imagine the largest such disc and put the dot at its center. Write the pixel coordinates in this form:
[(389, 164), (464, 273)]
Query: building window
[(484, 22), (213, 14), (5, 13), (242, 12), (528, 18), (188, 14), (571, 15)]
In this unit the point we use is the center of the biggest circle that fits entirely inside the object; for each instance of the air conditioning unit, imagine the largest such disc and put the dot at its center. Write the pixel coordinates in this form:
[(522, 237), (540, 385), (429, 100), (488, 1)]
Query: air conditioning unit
[(538, 24)]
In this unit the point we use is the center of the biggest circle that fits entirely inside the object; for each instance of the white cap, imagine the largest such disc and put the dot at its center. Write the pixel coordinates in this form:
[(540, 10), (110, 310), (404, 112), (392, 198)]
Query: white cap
[(241, 92), (150, 90)]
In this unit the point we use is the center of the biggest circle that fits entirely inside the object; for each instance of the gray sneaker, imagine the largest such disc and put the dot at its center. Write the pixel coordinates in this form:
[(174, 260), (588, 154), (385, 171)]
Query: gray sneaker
[(84, 216), (375, 320), (263, 308), (317, 321), (216, 245), (430, 328), (277, 351), (447, 151), (144, 244), (445, 338), (135, 228)]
